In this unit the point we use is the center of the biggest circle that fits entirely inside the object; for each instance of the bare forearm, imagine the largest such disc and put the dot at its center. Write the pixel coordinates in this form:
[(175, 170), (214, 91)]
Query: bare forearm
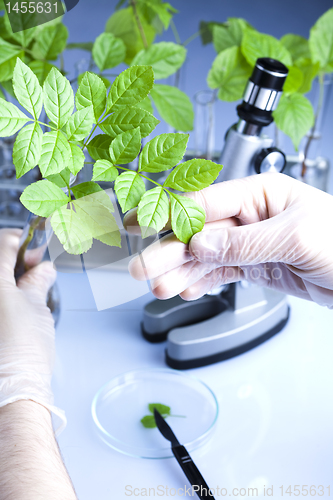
[(31, 467)]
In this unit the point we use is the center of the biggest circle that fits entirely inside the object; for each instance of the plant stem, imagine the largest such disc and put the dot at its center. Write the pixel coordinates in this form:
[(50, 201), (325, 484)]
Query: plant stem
[(192, 37), (141, 175), (175, 32), (178, 416), (21, 267), (313, 130), (46, 125), (91, 133), (139, 25)]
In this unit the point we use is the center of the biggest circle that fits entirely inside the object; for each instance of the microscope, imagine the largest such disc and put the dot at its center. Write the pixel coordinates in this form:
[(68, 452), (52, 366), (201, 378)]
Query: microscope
[(237, 317)]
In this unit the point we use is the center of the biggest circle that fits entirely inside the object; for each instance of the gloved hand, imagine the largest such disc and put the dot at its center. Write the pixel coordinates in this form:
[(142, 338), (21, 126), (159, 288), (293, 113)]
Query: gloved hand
[(269, 229), (27, 332)]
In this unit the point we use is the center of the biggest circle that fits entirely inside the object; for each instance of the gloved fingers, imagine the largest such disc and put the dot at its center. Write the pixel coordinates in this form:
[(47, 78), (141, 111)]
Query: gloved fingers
[(270, 240), (214, 279), (37, 282), (166, 254), (9, 245)]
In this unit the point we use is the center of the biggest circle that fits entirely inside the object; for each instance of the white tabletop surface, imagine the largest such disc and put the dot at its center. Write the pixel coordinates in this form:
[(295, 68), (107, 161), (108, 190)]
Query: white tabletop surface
[(276, 412)]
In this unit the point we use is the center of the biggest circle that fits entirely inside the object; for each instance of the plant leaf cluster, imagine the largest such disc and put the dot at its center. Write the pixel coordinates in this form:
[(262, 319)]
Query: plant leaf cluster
[(110, 125), (238, 45), (148, 421)]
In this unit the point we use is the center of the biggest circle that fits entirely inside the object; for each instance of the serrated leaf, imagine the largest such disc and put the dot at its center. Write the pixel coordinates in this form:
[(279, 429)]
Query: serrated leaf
[(193, 175), (91, 92), (187, 217), (229, 34), (50, 42), (55, 153), (164, 57), (87, 188), (321, 41), (123, 24), (43, 198), (95, 211), (256, 45), (104, 171), (58, 98), (129, 188), (27, 149), (80, 123), (62, 179), (163, 152), (153, 211), (71, 231), (294, 116), (11, 119), (297, 46), (27, 89), (130, 87), (146, 105), (162, 409), (41, 69), (99, 146), (128, 119), (108, 51), (76, 161), (148, 421), (229, 73), (174, 106), (8, 55), (294, 80), (125, 147), (309, 72)]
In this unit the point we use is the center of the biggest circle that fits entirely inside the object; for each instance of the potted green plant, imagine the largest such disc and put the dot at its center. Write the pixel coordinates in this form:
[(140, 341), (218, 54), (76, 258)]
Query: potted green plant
[(238, 45)]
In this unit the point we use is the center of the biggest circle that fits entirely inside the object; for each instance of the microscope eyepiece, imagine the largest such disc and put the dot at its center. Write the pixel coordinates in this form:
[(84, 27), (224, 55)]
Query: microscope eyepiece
[(262, 94)]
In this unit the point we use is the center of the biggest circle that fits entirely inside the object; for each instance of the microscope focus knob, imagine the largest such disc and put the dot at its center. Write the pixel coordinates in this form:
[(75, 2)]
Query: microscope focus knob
[(270, 160)]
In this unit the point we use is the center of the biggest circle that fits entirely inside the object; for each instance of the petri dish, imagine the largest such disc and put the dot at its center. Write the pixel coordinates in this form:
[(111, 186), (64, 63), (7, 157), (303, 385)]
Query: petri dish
[(119, 405)]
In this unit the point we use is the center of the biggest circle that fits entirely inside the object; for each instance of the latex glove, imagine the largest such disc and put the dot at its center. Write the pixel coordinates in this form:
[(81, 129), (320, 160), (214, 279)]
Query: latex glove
[(269, 229), (27, 347)]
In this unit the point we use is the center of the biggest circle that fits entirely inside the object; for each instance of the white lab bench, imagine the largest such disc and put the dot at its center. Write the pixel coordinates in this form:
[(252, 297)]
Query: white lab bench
[(275, 426)]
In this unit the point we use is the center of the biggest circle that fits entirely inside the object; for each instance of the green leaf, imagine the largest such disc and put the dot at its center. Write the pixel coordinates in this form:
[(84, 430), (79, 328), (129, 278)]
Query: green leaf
[(229, 34), (164, 57), (128, 119), (129, 188), (43, 198), (174, 106), (125, 147), (157, 13), (27, 149), (80, 123), (229, 73), (256, 45), (108, 51), (104, 171), (146, 105), (297, 46), (294, 116), (193, 175), (11, 119), (98, 147), (41, 70), (309, 72), (162, 409), (71, 231), (148, 421), (321, 41), (8, 87), (95, 211), (27, 89), (122, 24), (187, 217), (8, 55), (163, 152), (153, 211), (91, 92), (87, 188), (22, 35), (55, 153), (294, 80), (76, 161), (62, 179), (130, 87), (50, 42), (80, 45), (206, 31), (2, 95), (58, 98)]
